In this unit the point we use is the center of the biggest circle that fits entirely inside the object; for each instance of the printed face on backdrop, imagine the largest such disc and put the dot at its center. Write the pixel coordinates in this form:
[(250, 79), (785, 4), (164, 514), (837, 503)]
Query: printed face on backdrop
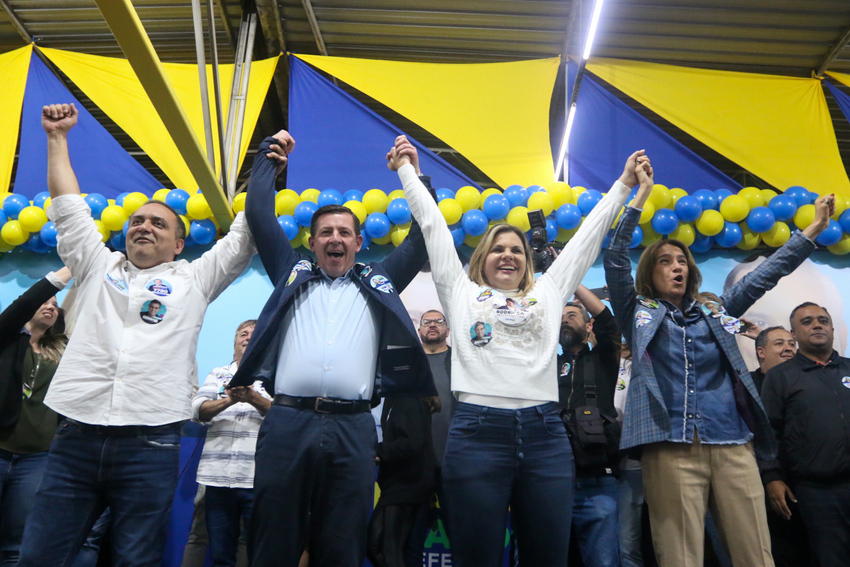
[(335, 243)]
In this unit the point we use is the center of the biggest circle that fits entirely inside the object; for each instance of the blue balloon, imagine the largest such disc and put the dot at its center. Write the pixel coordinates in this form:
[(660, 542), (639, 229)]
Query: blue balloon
[(720, 194), (36, 244), (496, 207), (119, 200), (330, 197), (474, 222), (831, 234), (126, 227), (48, 234), (377, 225), (14, 204), (3, 218), (702, 243), (637, 237), (457, 234), (96, 203), (40, 198), (760, 219), (588, 200), (189, 241), (729, 236), (203, 231), (843, 220), (516, 195), (551, 229), (118, 241), (176, 199), (799, 194), (289, 225), (398, 211), (568, 216), (706, 198), (304, 212), (607, 239), (688, 209), (367, 240), (445, 194), (665, 221), (532, 189), (784, 207), (352, 195)]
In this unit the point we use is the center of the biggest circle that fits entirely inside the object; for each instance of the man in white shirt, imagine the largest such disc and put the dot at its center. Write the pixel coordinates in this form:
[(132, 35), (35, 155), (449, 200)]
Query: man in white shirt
[(120, 444)]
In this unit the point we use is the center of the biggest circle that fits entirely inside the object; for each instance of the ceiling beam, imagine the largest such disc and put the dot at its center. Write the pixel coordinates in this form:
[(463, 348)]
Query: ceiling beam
[(225, 19), (13, 17), (833, 53), (314, 25)]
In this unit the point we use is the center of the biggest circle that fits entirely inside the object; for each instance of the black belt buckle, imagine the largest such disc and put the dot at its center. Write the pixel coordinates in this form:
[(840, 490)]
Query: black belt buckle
[(327, 405)]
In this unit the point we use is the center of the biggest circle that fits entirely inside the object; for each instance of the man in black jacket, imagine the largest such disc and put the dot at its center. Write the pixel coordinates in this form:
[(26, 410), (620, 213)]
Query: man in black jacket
[(807, 400), (595, 505)]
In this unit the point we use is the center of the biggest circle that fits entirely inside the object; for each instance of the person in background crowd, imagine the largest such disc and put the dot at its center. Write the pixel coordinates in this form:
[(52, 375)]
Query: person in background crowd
[(125, 385), (807, 399), (774, 345), (692, 406), (433, 332), (587, 379), (507, 444), (329, 329), (32, 341), (226, 467)]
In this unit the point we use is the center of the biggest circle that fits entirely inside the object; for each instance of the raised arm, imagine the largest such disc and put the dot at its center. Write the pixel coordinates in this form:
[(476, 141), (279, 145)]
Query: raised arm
[(16, 315), (57, 120)]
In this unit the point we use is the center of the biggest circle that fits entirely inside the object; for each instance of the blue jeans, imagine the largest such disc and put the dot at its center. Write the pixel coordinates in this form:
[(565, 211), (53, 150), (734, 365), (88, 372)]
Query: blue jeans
[(19, 477), (89, 553), (225, 507), (826, 514), (86, 472), (497, 458), (630, 507), (595, 521)]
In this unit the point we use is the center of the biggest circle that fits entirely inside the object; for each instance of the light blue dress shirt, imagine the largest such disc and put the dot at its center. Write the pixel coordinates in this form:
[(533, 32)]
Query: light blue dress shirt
[(330, 342)]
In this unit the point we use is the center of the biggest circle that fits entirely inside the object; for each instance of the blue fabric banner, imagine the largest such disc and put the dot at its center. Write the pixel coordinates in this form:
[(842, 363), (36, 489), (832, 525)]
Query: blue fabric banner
[(341, 144), (101, 164), (606, 131), (842, 99)]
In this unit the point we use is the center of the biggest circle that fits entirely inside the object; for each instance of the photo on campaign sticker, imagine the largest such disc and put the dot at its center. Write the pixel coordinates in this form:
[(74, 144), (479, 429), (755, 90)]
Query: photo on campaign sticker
[(381, 284), (116, 282), (510, 311), (846, 381), (159, 287), (481, 333), (153, 312)]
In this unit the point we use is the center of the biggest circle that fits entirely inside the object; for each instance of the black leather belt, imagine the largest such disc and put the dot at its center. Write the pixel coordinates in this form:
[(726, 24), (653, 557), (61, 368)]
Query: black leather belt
[(124, 430), (323, 405)]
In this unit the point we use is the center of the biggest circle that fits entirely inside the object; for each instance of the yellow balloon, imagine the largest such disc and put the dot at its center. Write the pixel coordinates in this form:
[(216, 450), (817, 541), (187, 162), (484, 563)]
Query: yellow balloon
[(542, 200), (753, 196), (649, 236), (660, 196), (778, 235), (842, 246), (841, 204), (285, 202), (113, 217), (617, 220), (398, 233), (750, 239), (675, 194), (186, 223), (451, 209), (518, 217), (397, 194), (647, 213), (133, 201), (734, 208), (32, 218), (45, 206), (13, 233), (805, 216), (358, 209), (710, 222), (108, 201), (767, 195), (376, 201), (564, 234), (562, 193), (469, 198), (196, 206), (684, 233), (105, 233), (5, 246), (578, 191), (160, 194), (383, 240), (311, 195), (472, 241), (486, 193), (239, 202)]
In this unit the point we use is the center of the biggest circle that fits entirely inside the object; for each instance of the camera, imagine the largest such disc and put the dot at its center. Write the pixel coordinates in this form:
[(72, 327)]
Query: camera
[(540, 244)]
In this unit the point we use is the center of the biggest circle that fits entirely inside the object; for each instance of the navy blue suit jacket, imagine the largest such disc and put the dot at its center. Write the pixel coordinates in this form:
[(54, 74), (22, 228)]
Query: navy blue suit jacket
[(402, 367)]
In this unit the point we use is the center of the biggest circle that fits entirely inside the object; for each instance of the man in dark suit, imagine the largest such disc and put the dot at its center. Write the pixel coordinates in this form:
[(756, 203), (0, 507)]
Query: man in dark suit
[(333, 336)]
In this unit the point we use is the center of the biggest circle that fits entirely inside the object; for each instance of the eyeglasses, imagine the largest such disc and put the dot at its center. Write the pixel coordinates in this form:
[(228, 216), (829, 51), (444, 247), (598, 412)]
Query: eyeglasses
[(429, 322)]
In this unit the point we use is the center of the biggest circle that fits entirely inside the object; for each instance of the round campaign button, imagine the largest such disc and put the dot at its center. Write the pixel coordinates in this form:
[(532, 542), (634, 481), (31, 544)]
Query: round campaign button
[(481, 333), (159, 287), (153, 312)]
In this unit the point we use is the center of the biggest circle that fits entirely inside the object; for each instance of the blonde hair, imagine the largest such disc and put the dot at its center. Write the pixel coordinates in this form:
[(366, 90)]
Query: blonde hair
[(52, 343), (476, 263)]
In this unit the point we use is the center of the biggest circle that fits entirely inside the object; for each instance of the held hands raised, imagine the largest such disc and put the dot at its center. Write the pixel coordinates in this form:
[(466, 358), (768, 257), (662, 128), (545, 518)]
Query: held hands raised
[(403, 153), (280, 151), (58, 118), (824, 208)]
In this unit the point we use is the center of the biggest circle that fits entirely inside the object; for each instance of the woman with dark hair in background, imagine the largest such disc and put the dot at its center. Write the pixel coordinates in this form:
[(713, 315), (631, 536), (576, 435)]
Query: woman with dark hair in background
[(32, 341)]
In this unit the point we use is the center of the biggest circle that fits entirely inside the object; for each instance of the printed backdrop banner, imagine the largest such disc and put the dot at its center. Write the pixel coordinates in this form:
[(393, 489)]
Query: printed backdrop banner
[(779, 128), (13, 77), (495, 114), (342, 145), (606, 131), (113, 86), (101, 164)]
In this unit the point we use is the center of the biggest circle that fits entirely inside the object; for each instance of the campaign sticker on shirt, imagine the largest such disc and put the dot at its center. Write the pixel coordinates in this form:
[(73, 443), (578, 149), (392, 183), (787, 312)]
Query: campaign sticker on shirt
[(381, 284), (846, 381), (116, 282), (642, 318), (152, 312), (565, 369), (730, 324), (621, 384), (365, 271), (223, 381), (302, 266), (292, 275), (511, 311), (650, 303), (481, 333), (485, 295), (159, 287)]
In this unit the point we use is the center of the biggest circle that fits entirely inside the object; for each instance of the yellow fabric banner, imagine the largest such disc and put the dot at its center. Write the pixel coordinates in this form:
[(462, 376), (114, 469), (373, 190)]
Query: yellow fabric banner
[(495, 114), (14, 67), (779, 128), (841, 77), (113, 86)]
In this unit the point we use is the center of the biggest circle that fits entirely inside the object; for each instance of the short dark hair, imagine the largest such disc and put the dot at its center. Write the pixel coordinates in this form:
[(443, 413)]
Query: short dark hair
[(806, 304), (179, 228), (761, 340), (334, 210), (442, 315), (581, 308), (158, 302)]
